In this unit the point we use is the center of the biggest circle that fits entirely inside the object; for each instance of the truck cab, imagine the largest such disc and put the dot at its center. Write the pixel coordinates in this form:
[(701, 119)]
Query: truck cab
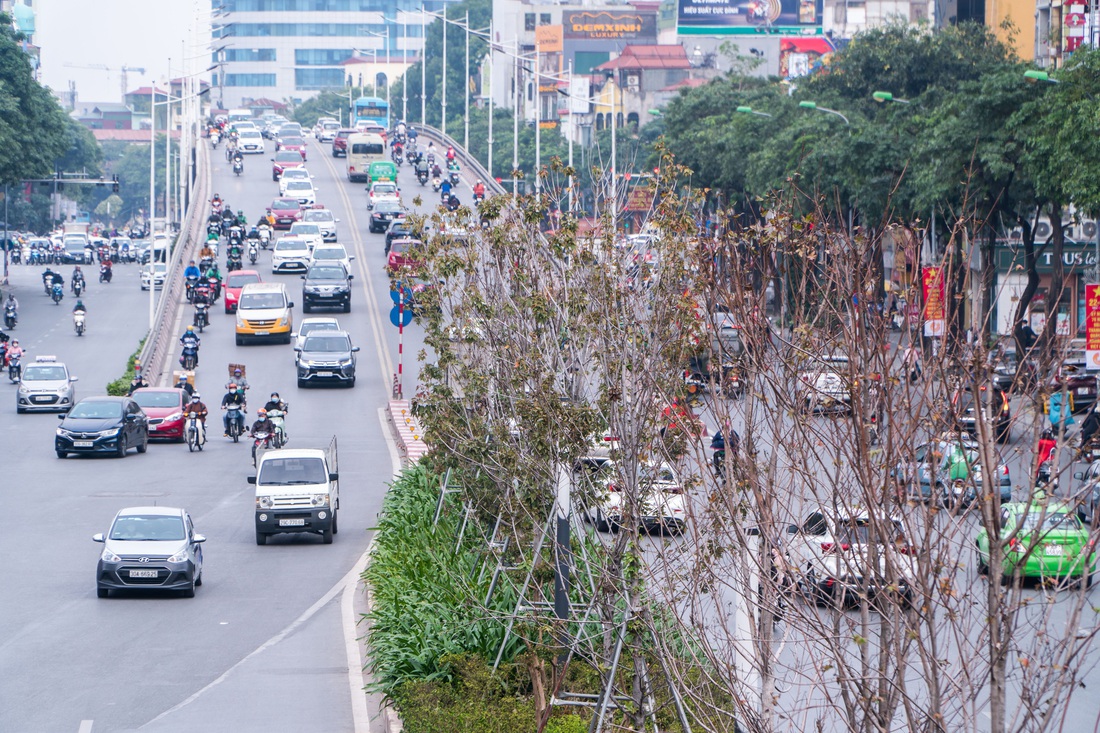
[(297, 490)]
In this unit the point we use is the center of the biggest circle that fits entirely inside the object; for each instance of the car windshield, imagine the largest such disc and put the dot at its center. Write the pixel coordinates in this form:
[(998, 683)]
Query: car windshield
[(43, 373), (291, 245), (147, 527), (318, 216), (285, 204), (326, 273), (329, 344), (238, 280), (288, 156), (1063, 521), (302, 185), (308, 328), (292, 471), (262, 300), (156, 399), (305, 229), (94, 410)]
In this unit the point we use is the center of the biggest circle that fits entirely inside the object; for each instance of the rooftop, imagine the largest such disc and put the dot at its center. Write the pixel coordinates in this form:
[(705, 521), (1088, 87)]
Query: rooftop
[(670, 56)]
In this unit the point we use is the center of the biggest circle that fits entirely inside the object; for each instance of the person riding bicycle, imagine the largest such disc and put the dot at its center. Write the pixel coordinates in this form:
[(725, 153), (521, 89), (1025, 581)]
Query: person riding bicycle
[(198, 407), (234, 397)]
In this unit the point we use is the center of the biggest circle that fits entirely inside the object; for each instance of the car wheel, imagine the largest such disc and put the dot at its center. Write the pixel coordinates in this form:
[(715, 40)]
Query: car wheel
[(326, 536), (121, 447), (144, 445), (61, 454), (189, 592), (102, 592), (347, 306), (335, 526), (261, 538), (198, 580), (983, 566)]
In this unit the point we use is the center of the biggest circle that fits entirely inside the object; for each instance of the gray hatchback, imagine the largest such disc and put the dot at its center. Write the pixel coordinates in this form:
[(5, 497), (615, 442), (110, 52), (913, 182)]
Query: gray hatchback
[(150, 547)]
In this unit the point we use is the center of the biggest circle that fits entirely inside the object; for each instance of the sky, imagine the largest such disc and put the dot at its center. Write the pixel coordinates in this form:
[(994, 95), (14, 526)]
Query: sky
[(114, 33)]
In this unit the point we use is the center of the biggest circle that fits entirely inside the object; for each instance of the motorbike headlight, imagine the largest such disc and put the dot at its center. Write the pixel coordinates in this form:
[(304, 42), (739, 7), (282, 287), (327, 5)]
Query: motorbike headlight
[(319, 500), (180, 556), (108, 556), (264, 502)]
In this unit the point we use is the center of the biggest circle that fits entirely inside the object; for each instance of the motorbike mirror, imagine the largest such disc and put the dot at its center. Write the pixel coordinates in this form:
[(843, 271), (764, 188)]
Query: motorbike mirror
[(792, 529), (98, 537), (1080, 475), (251, 479)]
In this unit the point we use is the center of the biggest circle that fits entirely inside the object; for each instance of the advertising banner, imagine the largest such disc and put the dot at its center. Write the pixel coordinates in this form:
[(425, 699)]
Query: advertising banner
[(789, 17), (1092, 326), (935, 311), (624, 25)]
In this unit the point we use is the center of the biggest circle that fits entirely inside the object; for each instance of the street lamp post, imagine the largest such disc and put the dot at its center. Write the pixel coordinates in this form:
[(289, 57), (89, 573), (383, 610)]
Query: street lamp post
[(423, 65), (443, 124), (751, 111), (815, 107), (466, 89), (404, 70)]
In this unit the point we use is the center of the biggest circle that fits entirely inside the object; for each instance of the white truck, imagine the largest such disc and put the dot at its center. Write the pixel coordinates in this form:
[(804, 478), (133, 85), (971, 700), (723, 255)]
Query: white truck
[(297, 490)]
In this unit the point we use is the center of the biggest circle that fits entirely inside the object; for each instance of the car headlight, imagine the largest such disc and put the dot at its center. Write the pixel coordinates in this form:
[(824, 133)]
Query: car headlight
[(264, 502), (173, 417), (285, 320), (180, 556), (63, 432), (108, 556), (240, 322), (345, 362), (108, 433), (23, 390), (319, 500)]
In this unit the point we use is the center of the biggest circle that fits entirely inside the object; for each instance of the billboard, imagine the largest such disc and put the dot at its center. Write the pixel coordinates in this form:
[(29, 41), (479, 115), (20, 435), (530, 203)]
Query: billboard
[(619, 25), (935, 311), (734, 17)]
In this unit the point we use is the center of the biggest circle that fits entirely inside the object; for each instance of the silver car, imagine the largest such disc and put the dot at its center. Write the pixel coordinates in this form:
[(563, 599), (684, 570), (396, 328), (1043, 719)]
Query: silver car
[(45, 386), (150, 547)]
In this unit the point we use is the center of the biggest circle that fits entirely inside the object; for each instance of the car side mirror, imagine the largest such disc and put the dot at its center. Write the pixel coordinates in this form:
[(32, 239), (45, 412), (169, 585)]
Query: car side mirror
[(74, 379), (290, 305), (302, 276), (370, 207), (198, 539), (298, 349), (792, 529), (351, 277), (1079, 475), (355, 348), (272, 159), (98, 537), (251, 479), (334, 477), (336, 220), (62, 416)]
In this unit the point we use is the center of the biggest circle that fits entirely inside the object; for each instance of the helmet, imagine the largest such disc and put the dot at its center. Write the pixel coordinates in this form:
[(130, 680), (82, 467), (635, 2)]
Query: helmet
[(190, 329), (15, 342), (479, 180), (183, 378), (236, 371), (195, 397), (261, 411)]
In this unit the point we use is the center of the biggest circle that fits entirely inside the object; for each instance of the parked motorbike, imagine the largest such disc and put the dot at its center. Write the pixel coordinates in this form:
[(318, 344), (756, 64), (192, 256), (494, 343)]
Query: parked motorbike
[(235, 413), (278, 419), (258, 440), (57, 293), (78, 322), (253, 253), (104, 274), (238, 167), (10, 317)]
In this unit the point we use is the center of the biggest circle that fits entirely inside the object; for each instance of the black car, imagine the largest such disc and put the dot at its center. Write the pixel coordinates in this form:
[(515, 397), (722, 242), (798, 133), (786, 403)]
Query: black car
[(102, 425), (399, 229), (383, 213), (994, 404), (326, 356), (327, 284)]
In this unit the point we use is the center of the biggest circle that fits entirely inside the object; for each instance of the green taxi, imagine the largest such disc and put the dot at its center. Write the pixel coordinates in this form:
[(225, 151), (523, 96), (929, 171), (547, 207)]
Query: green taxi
[(382, 170), (1045, 540)]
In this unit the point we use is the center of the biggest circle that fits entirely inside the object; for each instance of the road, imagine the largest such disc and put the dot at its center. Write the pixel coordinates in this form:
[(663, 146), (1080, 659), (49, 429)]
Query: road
[(262, 646)]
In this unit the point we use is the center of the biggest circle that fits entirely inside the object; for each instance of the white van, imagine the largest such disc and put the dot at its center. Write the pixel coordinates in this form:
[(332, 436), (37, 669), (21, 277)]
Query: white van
[(364, 149)]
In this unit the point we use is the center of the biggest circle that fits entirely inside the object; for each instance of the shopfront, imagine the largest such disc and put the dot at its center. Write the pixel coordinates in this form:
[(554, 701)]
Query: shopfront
[(1068, 305)]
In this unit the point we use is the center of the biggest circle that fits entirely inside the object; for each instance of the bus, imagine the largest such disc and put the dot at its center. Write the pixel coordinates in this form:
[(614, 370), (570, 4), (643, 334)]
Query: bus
[(364, 148), (373, 109)]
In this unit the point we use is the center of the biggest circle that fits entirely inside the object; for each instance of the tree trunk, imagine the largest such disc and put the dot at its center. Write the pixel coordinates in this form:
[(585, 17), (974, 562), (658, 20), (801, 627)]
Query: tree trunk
[(1057, 281), (989, 279), (1029, 291)]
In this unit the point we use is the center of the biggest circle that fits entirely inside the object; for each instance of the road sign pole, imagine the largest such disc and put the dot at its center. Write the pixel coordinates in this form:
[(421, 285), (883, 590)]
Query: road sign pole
[(401, 332)]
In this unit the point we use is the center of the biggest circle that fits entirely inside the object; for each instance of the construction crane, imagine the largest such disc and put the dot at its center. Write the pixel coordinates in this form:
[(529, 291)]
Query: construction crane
[(122, 73)]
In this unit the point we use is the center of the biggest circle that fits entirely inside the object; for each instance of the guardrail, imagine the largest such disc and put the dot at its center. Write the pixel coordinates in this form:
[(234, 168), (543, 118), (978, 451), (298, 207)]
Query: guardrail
[(161, 340), (468, 161)]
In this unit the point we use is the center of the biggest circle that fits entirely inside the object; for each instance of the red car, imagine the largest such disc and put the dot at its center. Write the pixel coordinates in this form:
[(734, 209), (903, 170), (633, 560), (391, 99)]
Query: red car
[(285, 159), (286, 211), (165, 409), (340, 143), (296, 144), (400, 256), (233, 284)]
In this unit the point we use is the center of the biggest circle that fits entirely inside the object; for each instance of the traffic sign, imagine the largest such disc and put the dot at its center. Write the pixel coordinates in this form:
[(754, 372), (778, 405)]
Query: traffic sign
[(400, 294), (401, 317)]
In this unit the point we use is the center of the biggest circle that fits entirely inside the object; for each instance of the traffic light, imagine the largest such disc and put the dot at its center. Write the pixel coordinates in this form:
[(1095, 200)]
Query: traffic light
[(114, 184)]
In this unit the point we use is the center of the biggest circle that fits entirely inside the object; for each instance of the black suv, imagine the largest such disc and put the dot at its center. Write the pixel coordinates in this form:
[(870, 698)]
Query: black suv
[(327, 284), (326, 356), (383, 213)]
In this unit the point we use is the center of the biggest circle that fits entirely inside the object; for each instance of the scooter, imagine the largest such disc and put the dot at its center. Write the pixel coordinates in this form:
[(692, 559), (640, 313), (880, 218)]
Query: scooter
[(454, 177), (104, 274), (235, 414), (15, 368), (234, 262), (260, 439), (422, 177), (189, 359), (265, 236), (57, 293), (10, 317), (253, 253), (190, 285), (278, 419), (215, 138), (202, 316), (436, 183), (238, 167), (17, 256), (78, 287), (78, 322)]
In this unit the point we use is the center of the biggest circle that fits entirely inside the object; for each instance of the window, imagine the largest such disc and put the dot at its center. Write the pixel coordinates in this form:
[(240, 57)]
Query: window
[(318, 78), (249, 80), (321, 56), (528, 21), (305, 29), (246, 54), (292, 6), (544, 18)]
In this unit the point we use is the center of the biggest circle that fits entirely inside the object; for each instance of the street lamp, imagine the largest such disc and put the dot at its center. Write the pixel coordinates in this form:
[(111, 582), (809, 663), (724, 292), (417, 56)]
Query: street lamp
[(883, 97), (813, 106), (1034, 77), (750, 111)]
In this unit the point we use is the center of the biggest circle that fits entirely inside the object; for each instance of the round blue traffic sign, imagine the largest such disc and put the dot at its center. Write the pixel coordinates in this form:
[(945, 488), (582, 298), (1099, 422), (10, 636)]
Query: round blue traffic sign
[(401, 317)]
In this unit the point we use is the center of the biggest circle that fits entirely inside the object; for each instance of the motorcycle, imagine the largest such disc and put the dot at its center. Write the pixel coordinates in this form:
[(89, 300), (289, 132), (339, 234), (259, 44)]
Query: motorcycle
[(265, 236), (234, 262), (422, 176), (253, 253), (202, 315), (238, 167), (436, 183), (235, 413), (478, 198), (78, 287), (104, 274), (1090, 451), (193, 442), (206, 263), (215, 138), (216, 205), (454, 176), (78, 322), (398, 158), (215, 288), (15, 368), (57, 293), (190, 285), (17, 256), (214, 228), (260, 439), (10, 317), (431, 159), (278, 419), (189, 359)]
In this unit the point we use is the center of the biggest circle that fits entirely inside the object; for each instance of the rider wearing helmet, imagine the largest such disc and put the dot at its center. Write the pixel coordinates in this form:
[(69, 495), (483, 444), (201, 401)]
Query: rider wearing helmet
[(479, 189), (198, 407), (235, 397), (263, 423)]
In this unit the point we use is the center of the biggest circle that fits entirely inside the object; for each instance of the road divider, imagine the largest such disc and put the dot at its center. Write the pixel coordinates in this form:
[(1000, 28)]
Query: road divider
[(407, 430)]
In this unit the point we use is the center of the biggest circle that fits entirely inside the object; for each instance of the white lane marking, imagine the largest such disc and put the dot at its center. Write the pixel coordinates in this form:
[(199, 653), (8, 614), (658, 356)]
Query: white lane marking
[(85, 726), (382, 347)]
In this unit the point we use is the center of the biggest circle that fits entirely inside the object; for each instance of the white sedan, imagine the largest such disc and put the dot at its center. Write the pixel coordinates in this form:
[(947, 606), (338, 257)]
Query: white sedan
[(332, 253), (159, 273)]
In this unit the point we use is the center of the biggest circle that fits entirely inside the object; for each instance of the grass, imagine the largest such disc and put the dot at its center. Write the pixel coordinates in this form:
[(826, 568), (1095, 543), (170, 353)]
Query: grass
[(121, 386)]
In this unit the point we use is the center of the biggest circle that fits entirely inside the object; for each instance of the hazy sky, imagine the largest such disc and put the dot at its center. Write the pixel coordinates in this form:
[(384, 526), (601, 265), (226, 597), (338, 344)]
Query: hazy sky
[(114, 33)]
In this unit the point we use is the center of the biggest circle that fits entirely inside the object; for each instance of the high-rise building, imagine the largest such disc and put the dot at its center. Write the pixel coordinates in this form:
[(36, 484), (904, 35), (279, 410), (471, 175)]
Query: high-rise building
[(22, 16), (291, 49)]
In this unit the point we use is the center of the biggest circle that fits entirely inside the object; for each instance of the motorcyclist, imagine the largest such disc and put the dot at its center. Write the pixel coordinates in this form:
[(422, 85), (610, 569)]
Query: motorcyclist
[(15, 351), (216, 202), (192, 271), (401, 129), (254, 234), (445, 189), (479, 189), (450, 154), (276, 403), (263, 424), (189, 340), (238, 380), (183, 384), (237, 156), (453, 203), (437, 172), (80, 307), (264, 219), (138, 381), (242, 220), (206, 252), (233, 397), (198, 407), (77, 275), (47, 279), (431, 150), (421, 168), (12, 303)]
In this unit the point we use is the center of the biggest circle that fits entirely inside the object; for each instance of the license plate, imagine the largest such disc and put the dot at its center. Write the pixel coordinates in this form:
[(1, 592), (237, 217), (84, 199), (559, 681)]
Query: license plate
[(143, 573), (263, 333), (1054, 550), (83, 443), (324, 374), (292, 522), (1084, 390), (41, 398)]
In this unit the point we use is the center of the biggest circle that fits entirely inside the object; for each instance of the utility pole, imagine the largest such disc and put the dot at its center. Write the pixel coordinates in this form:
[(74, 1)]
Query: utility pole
[(466, 89), (443, 124), (490, 158), (423, 66)]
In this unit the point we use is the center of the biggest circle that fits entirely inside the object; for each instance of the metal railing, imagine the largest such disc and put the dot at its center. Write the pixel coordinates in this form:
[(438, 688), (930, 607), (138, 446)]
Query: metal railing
[(161, 340), (468, 162)]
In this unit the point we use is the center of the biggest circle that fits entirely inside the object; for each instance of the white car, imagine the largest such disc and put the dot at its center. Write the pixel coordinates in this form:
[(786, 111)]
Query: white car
[(384, 191), (332, 253), (823, 383), (45, 385), (291, 254), (310, 325), (293, 174), (662, 496), (160, 272), (308, 231), (302, 190), (250, 141), (324, 219)]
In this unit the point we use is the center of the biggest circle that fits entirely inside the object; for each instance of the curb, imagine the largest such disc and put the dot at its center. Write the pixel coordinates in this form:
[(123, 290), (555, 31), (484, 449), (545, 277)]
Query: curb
[(408, 432)]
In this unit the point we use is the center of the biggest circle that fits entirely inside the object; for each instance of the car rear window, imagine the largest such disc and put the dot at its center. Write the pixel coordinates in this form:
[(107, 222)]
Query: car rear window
[(1064, 521), (239, 280), (156, 399)]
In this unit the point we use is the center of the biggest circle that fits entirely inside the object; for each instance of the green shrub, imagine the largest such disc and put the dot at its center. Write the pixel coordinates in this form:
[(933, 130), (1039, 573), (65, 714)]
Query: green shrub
[(121, 386)]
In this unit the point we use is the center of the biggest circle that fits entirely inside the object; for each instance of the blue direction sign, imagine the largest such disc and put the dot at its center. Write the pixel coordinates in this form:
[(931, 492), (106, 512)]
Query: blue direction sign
[(396, 294), (400, 317)]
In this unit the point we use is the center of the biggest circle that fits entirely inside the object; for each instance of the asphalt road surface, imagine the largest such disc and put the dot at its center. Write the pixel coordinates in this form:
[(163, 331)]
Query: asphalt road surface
[(262, 646)]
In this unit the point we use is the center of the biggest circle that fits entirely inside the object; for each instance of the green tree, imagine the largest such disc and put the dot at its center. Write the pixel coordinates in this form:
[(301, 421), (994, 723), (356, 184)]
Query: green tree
[(322, 105)]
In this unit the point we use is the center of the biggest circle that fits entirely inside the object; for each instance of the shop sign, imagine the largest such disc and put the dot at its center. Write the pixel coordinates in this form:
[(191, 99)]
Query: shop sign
[(935, 312), (1075, 258), (608, 24), (1092, 326)]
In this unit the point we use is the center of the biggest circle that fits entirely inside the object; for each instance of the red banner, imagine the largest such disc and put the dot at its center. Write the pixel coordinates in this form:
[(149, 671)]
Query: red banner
[(1092, 326), (935, 312)]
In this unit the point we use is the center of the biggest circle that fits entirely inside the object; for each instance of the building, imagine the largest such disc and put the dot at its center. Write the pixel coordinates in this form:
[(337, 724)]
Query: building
[(649, 76), (291, 49), (23, 19), (103, 115)]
